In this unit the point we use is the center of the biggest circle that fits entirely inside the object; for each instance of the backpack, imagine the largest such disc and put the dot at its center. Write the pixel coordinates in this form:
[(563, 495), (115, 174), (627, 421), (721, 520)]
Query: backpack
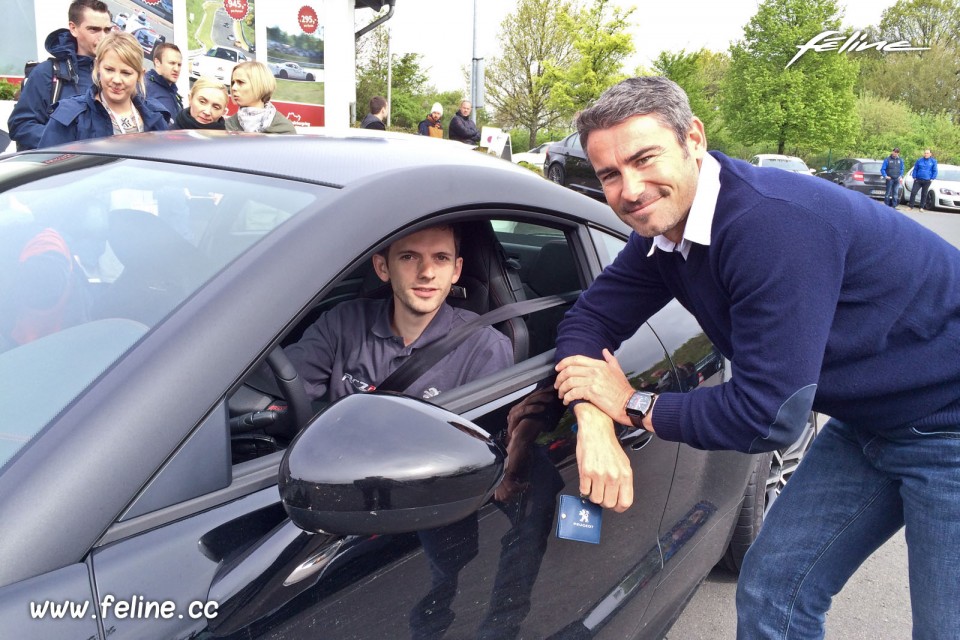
[(57, 78)]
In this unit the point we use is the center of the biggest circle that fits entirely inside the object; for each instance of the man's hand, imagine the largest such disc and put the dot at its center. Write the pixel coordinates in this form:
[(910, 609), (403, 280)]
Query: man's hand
[(605, 473), (602, 383)]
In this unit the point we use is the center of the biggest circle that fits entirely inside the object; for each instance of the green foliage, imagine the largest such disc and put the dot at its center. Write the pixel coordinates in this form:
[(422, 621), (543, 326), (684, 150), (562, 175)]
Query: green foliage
[(534, 38), (809, 105), (7, 90), (884, 124), (408, 77), (700, 75), (928, 82), (923, 23), (601, 44)]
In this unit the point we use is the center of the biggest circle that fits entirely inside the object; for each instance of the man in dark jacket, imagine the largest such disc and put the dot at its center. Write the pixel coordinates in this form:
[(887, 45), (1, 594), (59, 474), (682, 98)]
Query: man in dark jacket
[(924, 172), (462, 128), (73, 48), (162, 79), (892, 172), (377, 115)]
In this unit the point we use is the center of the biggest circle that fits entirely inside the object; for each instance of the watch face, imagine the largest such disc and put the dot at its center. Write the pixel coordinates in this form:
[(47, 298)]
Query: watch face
[(639, 403)]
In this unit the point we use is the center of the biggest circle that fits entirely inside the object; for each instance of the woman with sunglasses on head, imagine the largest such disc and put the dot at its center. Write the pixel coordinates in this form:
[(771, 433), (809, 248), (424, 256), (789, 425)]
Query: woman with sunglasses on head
[(115, 104), (251, 87)]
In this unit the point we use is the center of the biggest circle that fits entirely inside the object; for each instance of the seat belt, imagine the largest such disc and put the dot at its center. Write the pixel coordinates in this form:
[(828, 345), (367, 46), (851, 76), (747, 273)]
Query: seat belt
[(424, 358)]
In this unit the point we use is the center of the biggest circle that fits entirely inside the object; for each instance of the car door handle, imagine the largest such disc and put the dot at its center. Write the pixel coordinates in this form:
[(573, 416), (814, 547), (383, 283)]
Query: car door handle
[(636, 439)]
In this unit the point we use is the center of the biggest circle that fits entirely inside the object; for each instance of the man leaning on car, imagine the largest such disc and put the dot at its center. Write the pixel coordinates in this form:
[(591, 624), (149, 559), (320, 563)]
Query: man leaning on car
[(818, 299)]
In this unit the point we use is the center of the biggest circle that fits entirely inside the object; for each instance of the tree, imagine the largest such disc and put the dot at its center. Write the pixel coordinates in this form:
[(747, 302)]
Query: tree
[(928, 81), (923, 23), (884, 124), (700, 74), (809, 105), (534, 37), (601, 44), (409, 80)]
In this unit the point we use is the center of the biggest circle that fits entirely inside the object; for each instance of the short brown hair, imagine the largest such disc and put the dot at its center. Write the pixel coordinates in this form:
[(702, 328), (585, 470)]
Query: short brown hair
[(377, 103), (160, 47), (454, 228), (77, 7)]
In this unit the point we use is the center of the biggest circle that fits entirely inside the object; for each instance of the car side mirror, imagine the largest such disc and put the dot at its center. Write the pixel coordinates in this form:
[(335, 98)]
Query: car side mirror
[(376, 463)]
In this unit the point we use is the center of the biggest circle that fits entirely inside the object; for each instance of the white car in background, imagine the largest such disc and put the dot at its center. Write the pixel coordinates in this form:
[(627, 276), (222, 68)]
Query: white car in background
[(217, 63), (787, 163), (944, 192), (290, 71), (535, 156)]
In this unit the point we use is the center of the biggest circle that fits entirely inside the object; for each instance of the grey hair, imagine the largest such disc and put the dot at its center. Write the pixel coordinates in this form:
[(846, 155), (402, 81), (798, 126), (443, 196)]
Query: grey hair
[(658, 96)]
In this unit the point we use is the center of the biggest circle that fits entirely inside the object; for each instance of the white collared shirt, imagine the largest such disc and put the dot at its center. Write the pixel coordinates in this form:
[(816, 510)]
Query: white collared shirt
[(700, 219)]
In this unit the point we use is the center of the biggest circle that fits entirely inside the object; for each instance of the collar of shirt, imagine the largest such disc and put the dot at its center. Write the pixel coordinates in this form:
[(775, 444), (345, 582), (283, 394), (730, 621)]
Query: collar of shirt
[(438, 327), (700, 218)]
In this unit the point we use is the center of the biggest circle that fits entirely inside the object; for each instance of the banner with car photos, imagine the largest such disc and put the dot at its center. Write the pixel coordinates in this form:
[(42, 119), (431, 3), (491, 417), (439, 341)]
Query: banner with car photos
[(295, 55)]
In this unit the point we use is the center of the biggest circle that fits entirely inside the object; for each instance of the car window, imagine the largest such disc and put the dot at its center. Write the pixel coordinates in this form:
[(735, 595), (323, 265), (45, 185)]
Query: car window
[(575, 141), (871, 167), (950, 175), (94, 252)]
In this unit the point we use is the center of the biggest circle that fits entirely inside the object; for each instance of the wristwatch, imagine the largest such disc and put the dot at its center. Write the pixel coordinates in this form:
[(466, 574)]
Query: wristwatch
[(639, 405)]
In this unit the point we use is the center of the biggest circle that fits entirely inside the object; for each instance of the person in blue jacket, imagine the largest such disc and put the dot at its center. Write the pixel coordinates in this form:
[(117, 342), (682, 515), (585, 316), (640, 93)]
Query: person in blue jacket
[(161, 81), (924, 172), (72, 49), (892, 172), (823, 301), (114, 105)]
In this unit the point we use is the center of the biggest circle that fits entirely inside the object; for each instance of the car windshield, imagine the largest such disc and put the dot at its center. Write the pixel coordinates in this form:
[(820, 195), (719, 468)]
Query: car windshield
[(790, 164), (96, 251), (951, 175), (871, 167)]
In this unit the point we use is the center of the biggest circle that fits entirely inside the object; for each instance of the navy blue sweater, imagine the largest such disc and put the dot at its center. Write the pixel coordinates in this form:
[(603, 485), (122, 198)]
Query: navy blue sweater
[(819, 297)]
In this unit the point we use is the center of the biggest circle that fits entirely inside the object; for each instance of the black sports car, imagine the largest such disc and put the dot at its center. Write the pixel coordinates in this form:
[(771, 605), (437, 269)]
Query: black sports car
[(163, 475)]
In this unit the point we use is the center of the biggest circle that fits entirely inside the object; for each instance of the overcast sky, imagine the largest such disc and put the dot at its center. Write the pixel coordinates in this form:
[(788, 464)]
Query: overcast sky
[(442, 30)]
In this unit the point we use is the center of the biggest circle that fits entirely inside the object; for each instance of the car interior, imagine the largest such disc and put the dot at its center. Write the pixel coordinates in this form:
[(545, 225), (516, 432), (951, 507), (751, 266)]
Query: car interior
[(519, 262)]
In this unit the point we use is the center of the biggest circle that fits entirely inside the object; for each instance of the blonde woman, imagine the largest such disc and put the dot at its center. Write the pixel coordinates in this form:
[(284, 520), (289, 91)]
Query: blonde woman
[(205, 108), (114, 105), (251, 87)]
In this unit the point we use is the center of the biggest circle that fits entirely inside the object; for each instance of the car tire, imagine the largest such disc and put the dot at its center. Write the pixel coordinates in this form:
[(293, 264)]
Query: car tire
[(555, 174), (931, 203), (283, 75), (309, 77), (775, 468)]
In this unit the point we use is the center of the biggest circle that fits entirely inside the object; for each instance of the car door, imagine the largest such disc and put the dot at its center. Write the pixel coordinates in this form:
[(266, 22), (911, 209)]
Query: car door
[(582, 176), (231, 563)]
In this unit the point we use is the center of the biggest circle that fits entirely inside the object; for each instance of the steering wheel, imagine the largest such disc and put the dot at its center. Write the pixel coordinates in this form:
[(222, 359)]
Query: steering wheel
[(286, 384)]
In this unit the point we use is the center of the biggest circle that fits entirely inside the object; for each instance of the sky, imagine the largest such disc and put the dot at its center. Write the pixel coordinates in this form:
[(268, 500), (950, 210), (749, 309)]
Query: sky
[(443, 30)]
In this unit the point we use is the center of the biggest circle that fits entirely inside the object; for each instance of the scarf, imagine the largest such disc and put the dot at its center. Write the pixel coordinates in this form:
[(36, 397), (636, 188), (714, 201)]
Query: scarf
[(186, 121), (256, 120)]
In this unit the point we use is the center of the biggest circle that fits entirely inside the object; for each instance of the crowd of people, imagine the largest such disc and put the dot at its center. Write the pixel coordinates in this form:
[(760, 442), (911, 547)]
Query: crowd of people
[(95, 85)]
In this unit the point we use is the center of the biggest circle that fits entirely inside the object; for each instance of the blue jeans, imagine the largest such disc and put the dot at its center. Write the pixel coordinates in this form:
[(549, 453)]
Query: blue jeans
[(892, 197), (854, 490)]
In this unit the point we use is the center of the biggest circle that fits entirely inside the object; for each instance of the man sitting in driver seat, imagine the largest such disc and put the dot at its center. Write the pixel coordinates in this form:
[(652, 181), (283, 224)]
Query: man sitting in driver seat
[(357, 344)]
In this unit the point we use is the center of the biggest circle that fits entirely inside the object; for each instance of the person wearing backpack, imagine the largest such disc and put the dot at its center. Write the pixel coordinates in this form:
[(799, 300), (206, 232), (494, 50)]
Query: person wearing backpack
[(65, 74), (115, 105)]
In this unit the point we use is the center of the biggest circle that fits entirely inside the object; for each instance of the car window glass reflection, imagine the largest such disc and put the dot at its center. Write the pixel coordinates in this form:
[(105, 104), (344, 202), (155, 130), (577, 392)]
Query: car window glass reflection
[(92, 258)]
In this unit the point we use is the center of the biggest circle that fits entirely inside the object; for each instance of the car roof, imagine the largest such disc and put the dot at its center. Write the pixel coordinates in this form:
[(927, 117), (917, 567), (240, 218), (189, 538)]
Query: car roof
[(776, 155), (341, 158)]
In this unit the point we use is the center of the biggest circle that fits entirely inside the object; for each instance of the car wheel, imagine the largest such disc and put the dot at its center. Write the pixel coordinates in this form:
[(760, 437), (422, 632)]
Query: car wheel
[(309, 77), (770, 475), (931, 203), (555, 174), (283, 75)]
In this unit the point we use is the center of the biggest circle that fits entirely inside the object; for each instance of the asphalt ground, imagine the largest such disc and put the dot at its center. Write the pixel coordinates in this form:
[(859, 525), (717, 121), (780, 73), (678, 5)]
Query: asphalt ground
[(874, 604)]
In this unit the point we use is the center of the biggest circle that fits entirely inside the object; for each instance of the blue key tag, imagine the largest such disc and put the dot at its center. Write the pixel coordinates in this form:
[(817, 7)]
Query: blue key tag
[(579, 519)]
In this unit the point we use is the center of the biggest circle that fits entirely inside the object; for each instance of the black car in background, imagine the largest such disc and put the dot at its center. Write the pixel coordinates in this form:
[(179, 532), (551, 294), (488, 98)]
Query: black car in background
[(163, 475), (859, 174), (566, 164)]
